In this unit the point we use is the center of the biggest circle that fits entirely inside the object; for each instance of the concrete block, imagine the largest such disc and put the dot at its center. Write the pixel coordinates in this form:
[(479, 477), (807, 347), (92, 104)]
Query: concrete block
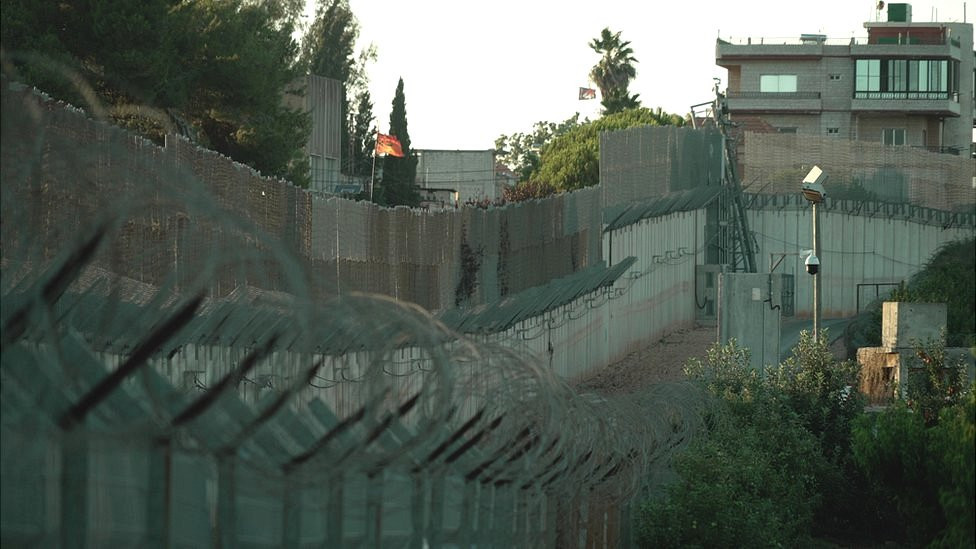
[(879, 369), (749, 311), (903, 323)]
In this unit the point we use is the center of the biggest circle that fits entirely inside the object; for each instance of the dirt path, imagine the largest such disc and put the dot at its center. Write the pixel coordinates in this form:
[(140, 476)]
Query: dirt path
[(662, 360)]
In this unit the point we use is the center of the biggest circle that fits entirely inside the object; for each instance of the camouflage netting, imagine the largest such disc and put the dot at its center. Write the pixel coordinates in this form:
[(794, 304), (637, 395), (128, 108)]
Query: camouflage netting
[(53, 155), (650, 161), (776, 163)]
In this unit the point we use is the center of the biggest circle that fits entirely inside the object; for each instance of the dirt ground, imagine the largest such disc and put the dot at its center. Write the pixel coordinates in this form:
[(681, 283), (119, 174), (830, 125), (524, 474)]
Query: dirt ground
[(662, 360)]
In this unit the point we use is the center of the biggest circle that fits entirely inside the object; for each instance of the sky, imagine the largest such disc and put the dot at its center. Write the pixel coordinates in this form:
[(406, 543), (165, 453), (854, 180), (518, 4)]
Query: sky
[(475, 70)]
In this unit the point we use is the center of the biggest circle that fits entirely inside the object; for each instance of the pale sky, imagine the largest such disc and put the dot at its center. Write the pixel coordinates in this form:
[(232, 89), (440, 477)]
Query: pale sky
[(475, 70)]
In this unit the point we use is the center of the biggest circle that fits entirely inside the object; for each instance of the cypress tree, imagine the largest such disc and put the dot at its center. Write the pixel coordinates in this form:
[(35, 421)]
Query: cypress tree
[(400, 174)]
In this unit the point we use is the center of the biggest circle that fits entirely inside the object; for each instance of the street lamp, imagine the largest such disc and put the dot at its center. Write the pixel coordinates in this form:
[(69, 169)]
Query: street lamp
[(813, 191)]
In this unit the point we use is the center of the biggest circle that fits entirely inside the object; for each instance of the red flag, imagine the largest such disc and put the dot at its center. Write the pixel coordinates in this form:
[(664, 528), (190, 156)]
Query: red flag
[(387, 144), (587, 93)]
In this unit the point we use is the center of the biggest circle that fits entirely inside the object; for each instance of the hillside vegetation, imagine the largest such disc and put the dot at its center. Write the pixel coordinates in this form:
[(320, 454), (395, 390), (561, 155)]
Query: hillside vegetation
[(791, 458)]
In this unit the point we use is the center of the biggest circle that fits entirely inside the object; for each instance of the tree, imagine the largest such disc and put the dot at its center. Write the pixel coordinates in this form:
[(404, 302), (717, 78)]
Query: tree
[(363, 136), (245, 61), (328, 48), (520, 151), (400, 174), (572, 160), (216, 70), (613, 73)]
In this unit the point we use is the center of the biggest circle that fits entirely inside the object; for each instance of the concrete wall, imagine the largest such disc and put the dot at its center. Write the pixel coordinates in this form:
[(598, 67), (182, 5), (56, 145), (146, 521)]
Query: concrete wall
[(470, 173), (904, 327), (749, 311), (863, 248), (658, 295)]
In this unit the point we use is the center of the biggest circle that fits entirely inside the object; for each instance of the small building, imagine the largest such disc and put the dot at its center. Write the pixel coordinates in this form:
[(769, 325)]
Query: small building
[(469, 174)]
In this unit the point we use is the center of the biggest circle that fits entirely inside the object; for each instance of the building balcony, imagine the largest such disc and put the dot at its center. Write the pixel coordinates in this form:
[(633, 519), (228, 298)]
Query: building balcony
[(930, 103), (747, 101)]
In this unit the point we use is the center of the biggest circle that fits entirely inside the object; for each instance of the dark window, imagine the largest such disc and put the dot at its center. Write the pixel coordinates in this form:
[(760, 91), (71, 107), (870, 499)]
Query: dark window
[(893, 136)]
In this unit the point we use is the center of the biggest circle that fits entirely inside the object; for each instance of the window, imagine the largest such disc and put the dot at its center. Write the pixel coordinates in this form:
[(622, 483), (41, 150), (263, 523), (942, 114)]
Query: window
[(867, 75), (905, 79), (834, 77), (897, 77), (833, 131), (893, 136), (786, 130), (777, 83)]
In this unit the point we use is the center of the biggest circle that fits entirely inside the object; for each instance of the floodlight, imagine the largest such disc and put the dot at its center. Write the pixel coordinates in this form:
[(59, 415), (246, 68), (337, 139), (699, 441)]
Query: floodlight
[(812, 186)]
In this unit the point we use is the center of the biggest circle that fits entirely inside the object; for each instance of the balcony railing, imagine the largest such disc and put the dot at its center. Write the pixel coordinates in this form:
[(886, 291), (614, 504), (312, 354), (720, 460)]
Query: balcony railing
[(786, 96), (807, 40), (905, 95)]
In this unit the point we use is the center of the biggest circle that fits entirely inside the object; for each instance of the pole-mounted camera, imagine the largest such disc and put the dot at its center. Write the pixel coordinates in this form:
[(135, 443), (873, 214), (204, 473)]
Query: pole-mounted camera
[(812, 264)]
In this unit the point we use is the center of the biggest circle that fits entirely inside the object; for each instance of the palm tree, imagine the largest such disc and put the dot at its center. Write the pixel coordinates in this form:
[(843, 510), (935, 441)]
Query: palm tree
[(613, 73)]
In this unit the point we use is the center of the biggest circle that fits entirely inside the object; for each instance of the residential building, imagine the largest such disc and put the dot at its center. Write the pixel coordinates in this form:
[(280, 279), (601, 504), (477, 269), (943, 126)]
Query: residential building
[(908, 83)]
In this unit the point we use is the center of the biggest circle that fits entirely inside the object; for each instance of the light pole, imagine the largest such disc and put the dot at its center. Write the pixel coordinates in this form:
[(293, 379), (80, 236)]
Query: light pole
[(813, 191)]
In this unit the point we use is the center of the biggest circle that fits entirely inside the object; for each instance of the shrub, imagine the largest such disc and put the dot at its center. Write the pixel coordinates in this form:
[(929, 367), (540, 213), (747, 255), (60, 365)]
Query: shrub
[(954, 441), (753, 480), (919, 454)]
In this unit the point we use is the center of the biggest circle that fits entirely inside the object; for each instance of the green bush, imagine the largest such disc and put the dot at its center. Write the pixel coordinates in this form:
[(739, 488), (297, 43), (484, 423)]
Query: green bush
[(750, 483), (789, 458), (822, 391), (754, 480), (920, 454), (954, 441), (934, 383), (890, 448)]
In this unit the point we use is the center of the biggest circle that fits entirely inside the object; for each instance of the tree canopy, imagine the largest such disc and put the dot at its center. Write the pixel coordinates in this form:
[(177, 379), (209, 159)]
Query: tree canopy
[(572, 160), (614, 71), (216, 70), (328, 50), (520, 151)]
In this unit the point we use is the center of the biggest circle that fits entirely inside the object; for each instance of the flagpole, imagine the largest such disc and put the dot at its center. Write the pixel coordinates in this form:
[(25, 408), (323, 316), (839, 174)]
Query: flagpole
[(372, 174)]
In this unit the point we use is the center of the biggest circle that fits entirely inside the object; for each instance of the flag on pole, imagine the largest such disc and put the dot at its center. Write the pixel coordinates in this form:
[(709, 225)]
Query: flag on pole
[(587, 93), (387, 144)]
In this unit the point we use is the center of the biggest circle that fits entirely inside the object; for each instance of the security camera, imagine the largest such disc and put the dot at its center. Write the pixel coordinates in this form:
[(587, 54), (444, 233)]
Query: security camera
[(813, 185), (812, 264)]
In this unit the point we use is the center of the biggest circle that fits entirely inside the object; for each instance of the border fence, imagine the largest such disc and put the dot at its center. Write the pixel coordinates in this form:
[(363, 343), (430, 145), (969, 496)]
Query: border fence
[(189, 357), (177, 371)]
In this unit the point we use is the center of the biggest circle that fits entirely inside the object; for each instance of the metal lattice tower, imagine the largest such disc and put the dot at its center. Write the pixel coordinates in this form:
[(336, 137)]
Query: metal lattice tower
[(742, 246)]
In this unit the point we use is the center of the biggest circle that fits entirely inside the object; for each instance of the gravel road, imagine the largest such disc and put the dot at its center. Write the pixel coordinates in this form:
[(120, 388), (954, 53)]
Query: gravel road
[(662, 360)]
